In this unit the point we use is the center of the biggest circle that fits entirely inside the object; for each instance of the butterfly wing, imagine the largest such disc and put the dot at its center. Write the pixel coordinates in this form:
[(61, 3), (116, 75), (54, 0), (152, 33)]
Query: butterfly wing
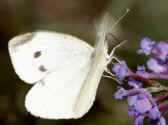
[(55, 96), (68, 93), (36, 54), (66, 70)]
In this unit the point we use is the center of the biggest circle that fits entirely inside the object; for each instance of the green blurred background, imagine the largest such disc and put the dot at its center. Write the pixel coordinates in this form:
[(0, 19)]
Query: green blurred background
[(76, 17)]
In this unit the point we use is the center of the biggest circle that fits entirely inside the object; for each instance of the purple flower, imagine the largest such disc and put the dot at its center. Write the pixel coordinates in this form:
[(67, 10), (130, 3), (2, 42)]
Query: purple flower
[(140, 93), (132, 100), (153, 64), (146, 46), (141, 70), (139, 120), (144, 95), (121, 93), (161, 50), (154, 113), (134, 83), (143, 105), (159, 121), (132, 112), (121, 70), (140, 99)]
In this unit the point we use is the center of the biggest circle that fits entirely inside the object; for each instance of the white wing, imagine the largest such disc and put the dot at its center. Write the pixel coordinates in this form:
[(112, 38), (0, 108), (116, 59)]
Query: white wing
[(56, 95), (36, 54), (68, 93), (66, 70)]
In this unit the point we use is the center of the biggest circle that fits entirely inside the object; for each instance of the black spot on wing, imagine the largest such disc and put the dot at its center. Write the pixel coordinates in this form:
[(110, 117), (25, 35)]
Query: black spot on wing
[(42, 68), (37, 54)]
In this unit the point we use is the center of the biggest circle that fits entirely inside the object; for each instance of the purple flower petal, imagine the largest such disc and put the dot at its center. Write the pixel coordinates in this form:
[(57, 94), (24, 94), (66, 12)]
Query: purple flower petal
[(143, 106), (153, 65), (146, 46), (132, 112), (162, 48), (132, 100), (141, 71), (134, 83), (121, 93), (141, 68), (121, 70), (139, 120), (145, 96), (154, 113), (160, 121)]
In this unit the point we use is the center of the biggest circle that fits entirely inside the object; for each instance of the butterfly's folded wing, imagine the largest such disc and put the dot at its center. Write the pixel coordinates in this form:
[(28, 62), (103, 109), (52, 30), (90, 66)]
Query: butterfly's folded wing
[(68, 93), (34, 55), (66, 70), (55, 97)]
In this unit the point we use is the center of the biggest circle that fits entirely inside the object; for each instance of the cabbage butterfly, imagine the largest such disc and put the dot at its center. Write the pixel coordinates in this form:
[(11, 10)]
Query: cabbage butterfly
[(65, 71)]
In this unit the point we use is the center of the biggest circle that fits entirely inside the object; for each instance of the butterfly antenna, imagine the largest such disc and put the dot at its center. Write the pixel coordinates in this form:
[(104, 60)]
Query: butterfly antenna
[(104, 24), (121, 43), (117, 22)]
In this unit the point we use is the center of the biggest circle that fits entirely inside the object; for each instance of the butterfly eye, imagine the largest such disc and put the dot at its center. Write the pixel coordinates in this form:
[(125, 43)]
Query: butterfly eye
[(42, 68), (37, 54)]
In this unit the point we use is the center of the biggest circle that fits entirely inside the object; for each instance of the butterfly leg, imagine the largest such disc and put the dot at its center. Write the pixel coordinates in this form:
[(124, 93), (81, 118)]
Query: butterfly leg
[(111, 55), (110, 58)]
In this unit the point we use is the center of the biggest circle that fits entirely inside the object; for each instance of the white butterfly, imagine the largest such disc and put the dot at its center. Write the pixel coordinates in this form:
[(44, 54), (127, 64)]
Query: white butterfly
[(65, 71)]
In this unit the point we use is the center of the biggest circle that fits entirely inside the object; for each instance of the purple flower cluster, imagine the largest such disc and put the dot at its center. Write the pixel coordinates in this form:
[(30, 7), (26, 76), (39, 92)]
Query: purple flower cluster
[(143, 104)]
